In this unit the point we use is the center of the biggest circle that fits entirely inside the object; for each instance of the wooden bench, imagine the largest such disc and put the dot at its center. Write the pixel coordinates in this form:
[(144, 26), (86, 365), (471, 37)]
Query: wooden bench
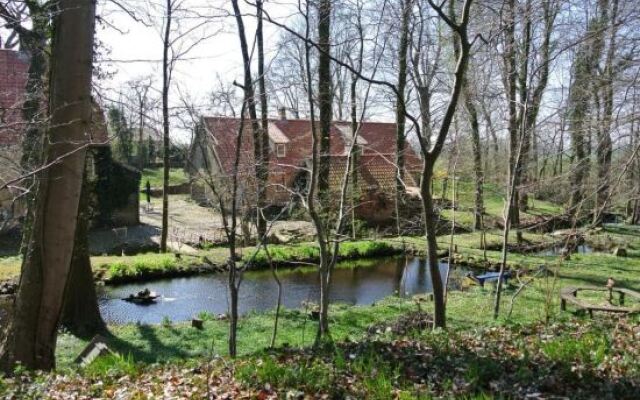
[(570, 295)]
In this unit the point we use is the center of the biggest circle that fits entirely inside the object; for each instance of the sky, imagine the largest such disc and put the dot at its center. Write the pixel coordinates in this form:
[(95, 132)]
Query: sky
[(130, 49)]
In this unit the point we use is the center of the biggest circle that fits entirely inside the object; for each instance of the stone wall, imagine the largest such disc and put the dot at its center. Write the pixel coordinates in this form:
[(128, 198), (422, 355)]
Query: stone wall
[(115, 198)]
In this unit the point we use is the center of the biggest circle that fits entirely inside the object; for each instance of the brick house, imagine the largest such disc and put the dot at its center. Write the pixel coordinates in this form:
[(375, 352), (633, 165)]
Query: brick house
[(14, 67), (214, 148)]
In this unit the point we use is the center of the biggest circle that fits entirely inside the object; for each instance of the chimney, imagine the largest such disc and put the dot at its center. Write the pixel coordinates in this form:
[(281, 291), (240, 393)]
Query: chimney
[(283, 113)]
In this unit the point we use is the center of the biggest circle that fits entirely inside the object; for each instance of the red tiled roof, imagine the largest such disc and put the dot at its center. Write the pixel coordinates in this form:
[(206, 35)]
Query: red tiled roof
[(14, 68), (379, 147)]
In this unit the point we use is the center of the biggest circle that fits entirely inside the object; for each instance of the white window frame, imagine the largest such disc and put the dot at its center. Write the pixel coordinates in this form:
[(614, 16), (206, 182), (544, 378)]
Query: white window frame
[(279, 147)]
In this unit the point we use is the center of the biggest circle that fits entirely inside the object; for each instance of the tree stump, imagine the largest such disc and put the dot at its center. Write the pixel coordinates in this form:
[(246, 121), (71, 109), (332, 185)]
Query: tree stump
[(197, 323)]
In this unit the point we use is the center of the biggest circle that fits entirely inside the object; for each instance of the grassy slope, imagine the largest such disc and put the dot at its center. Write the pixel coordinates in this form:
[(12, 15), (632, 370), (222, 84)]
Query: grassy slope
[(155, 177), (494, 199)]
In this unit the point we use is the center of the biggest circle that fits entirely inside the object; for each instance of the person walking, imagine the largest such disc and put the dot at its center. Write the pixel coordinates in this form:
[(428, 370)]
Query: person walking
[(148, 193)]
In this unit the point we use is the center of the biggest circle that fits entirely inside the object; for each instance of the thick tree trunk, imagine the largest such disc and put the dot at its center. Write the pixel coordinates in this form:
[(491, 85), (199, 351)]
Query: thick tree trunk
[(31, 336), (80, 312)]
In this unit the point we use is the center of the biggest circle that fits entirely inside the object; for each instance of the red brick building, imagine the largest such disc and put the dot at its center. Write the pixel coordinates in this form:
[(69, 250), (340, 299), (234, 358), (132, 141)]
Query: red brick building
[(289, 158)]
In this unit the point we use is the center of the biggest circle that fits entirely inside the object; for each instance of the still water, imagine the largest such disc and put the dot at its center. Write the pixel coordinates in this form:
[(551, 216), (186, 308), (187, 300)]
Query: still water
[(355, 283)]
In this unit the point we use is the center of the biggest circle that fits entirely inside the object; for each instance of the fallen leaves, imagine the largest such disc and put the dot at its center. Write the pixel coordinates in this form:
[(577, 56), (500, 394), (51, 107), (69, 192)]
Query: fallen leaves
[(576, 359)]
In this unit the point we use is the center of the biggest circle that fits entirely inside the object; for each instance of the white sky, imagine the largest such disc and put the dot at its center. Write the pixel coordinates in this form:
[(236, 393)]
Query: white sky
[(135, 50)]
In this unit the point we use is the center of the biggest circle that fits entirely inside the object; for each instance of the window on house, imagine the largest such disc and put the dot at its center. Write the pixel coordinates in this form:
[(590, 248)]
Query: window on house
[(281, 150)]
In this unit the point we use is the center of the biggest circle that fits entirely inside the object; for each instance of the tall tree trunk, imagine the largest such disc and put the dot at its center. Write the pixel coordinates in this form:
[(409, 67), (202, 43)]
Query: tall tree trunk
[(472, 115), (141, 156), (324, 96), (166, 82), (494, 140), (429, 217), (431, 156), (531, 95), (31, 336), (520, 173), (401, 109), (263, 176), (604, 148), (324, 105), (510, 85), (80, 312), (585, 60), (355, 155)]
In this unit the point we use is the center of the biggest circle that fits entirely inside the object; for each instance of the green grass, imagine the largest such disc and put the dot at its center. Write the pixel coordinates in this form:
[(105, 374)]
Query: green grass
[(309, 252), (179, 341), (10, 267), (155, 177), (136, 266), (494, 201)]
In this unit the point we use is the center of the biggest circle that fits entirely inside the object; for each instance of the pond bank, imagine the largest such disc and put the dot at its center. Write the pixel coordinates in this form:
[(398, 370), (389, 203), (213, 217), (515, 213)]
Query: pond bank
[(357, 282), (150, 266)]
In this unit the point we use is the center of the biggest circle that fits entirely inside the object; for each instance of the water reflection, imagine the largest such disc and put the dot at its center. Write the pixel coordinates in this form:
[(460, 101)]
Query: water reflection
[(183, 298)]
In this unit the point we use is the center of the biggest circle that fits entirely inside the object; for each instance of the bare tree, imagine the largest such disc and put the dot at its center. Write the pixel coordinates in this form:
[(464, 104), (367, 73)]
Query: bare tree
[(584, 65), (430, 156), (143, 105), (175, 33)]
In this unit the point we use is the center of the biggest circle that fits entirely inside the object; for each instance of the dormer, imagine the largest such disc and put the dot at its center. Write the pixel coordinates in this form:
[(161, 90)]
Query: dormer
[(347, 135), (277, 141)]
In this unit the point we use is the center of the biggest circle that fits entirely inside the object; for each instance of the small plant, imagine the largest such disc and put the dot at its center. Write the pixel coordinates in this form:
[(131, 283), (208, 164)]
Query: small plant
[(312, 377), (19, 369), (206, 316), (112, 365), (166, 322)]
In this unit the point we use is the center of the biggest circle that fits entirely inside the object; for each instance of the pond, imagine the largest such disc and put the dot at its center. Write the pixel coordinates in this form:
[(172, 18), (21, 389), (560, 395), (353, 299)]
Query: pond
[(360, 282)]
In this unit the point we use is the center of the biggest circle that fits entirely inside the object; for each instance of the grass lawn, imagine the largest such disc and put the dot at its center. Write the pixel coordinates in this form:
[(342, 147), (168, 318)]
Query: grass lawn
[(467, 310), (155, 177)]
